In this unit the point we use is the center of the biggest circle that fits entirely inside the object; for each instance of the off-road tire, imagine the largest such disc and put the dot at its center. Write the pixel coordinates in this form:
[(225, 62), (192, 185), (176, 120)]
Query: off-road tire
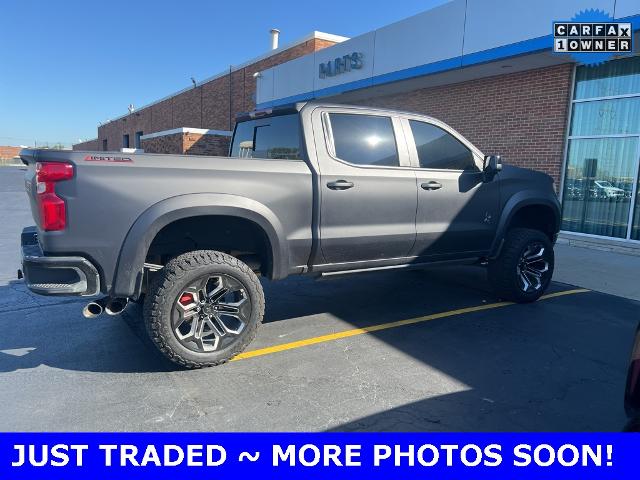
[(503, 271), (171, 281)]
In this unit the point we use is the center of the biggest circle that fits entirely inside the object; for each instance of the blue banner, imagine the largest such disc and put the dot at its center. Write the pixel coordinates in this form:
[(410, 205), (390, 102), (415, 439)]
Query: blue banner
[(319, 455)]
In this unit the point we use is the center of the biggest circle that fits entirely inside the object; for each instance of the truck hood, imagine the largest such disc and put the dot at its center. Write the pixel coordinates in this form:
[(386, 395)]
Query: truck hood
[(511, 172)]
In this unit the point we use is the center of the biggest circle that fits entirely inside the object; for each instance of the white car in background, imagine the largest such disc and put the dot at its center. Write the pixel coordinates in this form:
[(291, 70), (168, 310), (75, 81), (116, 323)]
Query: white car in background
[(604, 189)]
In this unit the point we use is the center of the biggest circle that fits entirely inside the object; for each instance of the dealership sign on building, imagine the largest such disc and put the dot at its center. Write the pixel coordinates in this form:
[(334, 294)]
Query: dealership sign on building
[(341, 65)]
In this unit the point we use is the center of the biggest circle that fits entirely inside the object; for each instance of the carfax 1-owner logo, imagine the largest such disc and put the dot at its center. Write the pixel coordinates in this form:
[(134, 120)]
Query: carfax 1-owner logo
[(592, 37)]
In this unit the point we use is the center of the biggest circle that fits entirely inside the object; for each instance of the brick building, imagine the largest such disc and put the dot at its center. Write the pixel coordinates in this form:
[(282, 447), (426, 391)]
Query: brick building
[(526, 126), (8, 153), (485, 67), (199, 119)]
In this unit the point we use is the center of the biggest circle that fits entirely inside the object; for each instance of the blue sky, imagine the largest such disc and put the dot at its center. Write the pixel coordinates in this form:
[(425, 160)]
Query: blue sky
[(67, 65)]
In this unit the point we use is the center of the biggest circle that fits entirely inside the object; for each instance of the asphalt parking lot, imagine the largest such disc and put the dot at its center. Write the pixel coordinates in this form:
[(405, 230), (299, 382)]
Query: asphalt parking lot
[(455, 358)]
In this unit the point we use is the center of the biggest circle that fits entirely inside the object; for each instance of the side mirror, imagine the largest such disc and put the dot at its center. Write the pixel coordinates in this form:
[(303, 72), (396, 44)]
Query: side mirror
[(492, 165)]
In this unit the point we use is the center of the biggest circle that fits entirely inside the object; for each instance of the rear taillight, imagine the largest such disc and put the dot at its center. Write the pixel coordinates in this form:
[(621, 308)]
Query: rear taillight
[(53, 212)]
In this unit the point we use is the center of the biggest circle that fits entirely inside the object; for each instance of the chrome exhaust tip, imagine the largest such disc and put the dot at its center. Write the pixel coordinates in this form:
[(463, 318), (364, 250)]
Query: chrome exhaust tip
[(92, 310), (115, 306)]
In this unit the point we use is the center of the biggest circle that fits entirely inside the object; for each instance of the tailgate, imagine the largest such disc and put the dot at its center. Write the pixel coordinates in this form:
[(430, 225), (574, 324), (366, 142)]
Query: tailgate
[(63, 188), (28, 157)]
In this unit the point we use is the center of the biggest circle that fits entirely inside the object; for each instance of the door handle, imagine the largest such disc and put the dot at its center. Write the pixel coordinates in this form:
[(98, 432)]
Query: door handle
[(432, 185), (340, 185)]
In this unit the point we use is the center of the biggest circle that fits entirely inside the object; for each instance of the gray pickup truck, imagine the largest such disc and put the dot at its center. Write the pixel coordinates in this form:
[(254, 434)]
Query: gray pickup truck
[(311, 188)]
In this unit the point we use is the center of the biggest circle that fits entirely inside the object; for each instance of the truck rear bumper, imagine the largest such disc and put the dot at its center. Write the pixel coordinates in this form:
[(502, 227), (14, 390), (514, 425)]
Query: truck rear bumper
[(52, 275)]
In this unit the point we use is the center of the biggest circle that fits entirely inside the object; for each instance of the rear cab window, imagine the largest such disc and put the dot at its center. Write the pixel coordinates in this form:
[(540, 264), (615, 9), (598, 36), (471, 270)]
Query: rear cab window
[(271, 138)]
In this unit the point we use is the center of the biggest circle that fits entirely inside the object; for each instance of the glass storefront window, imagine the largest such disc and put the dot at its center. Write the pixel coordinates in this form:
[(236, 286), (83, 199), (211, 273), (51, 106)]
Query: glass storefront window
[(603, 156), (618, 77), (606, 117), (598, 185)]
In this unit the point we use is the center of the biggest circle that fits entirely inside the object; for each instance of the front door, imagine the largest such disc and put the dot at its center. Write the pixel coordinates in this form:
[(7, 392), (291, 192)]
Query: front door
[(457, 211), (367, 188)]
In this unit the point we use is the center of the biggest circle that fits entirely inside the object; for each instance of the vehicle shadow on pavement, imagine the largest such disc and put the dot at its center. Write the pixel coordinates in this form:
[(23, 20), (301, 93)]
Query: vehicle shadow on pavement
[(52, 331), (557, 364), (368, 298), (553, 365)]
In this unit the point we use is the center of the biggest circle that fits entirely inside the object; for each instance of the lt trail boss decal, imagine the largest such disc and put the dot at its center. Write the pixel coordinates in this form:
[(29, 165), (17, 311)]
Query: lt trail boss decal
[(102, 158)]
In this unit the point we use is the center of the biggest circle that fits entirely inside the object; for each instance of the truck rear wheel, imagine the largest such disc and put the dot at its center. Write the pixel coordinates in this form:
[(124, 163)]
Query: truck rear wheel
[(524, 268), (203, 308)]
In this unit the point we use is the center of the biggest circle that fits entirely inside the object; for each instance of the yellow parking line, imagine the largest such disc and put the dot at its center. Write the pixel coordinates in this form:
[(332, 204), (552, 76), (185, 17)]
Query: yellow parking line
[(385, 326)]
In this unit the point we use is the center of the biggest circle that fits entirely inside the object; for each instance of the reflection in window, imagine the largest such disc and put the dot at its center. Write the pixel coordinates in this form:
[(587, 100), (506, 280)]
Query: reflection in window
[(439, 149), (598, 185), (275, 138), (606, 117), (364, 139), (619, 77), (601, 173)]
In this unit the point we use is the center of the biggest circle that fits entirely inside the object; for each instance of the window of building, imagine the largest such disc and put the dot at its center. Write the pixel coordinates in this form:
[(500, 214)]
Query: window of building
[(276, 138), (600, 192), (439, 149), (125, 141), (104, 145), (138, 139), (364, 139)]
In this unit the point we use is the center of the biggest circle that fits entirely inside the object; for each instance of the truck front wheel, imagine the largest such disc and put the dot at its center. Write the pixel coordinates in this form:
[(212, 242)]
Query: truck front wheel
[(524, 268), (203, 308)]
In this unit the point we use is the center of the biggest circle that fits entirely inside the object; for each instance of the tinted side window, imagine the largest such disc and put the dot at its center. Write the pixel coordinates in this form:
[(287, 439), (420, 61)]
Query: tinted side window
[(439, 149), (271, 138), (364, 139)]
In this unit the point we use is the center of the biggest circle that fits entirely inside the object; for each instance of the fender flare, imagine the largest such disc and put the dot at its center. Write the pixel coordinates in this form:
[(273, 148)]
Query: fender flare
[(517, 202), (128, 275)]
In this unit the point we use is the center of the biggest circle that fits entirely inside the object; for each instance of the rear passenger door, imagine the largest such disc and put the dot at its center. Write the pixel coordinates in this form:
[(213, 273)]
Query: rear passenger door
[(457, 211), (367, 188)]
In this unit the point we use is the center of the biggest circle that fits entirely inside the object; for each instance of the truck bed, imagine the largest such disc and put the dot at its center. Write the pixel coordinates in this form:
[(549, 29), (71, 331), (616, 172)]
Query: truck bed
[(110, 191)]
